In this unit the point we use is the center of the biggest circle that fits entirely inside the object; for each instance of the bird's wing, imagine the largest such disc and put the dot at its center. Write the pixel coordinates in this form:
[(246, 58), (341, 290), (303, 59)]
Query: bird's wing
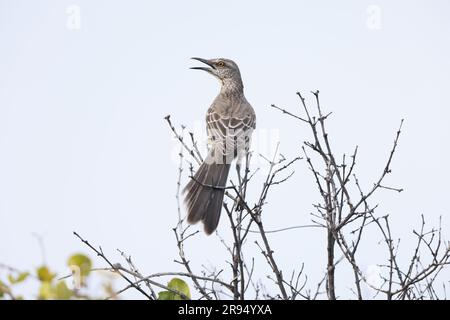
[(230, 133)]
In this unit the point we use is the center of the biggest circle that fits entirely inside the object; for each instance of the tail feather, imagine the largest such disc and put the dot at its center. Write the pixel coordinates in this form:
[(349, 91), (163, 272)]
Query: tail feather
[(204, 194)]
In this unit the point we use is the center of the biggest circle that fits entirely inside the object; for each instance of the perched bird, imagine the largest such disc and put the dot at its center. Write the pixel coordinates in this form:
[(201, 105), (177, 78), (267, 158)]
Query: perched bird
[(229, 124)]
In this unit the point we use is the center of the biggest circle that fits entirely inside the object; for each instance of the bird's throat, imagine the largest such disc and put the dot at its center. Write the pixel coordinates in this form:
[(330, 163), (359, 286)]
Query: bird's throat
[(232, 86)]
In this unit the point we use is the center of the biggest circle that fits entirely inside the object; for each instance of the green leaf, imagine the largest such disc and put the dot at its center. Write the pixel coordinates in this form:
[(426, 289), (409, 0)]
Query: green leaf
[(81, 262), (165, 295), (44, 274), (178, 285), (46, 291), (62, 292), (3, 289), (181, 286), (20, 278)]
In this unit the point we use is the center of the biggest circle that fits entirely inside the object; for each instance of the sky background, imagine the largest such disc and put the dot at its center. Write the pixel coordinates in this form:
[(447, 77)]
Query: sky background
[(84, 147)]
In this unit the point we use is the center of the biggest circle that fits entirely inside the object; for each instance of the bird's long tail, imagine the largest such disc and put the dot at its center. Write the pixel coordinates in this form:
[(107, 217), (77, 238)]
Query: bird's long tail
[(204, 194)]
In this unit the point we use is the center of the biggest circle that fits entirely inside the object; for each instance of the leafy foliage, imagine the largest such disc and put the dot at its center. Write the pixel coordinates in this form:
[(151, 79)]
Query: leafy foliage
[(176, 285), (50, 287)]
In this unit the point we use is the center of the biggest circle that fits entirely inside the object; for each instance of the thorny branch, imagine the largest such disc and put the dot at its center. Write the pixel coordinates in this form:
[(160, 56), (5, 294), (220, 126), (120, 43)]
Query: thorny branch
[(242, 215), (340, 210), (345, 212)]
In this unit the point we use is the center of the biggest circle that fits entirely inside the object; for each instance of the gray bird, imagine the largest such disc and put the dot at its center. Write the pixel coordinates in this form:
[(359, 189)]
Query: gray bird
[(229, 124)]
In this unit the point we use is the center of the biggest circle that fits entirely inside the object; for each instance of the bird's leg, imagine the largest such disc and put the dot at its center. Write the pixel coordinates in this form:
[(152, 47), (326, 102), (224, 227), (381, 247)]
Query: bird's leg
[(247, 170), (240, 155), (238, 169), (239, 206)]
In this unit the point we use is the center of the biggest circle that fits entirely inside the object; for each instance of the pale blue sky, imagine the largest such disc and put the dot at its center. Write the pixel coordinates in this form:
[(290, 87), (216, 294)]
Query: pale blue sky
[(83, 144)]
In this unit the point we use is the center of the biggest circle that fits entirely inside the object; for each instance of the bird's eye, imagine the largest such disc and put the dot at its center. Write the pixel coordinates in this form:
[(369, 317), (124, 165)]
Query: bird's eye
[(221, 64)]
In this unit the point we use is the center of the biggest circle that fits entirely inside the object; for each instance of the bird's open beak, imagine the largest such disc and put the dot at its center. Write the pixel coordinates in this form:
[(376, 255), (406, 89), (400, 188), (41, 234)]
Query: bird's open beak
[(207, 62)]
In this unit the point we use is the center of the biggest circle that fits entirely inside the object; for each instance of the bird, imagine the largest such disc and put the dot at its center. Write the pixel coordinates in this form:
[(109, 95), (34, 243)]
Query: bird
[(230, 121)]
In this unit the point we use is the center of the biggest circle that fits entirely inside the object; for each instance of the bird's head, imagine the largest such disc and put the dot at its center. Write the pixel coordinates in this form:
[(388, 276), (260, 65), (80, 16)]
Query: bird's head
[(225, 70)]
